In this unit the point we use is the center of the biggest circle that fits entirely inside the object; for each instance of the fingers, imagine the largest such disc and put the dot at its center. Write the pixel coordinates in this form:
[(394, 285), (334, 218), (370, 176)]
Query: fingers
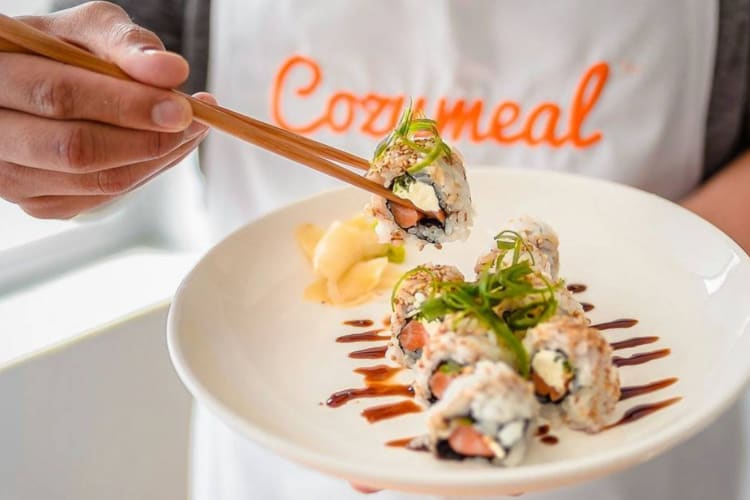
[(60, 168), (363, 489), (62, 207), (66, 207), (78, 146), (18, 183), (106, 30), (205, 96), (48, 89)]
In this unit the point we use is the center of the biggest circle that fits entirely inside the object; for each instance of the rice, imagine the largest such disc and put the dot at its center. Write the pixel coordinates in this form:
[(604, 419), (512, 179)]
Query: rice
[(457, 345), (572, 369), (541, 247), (416, 287), (494, 406)]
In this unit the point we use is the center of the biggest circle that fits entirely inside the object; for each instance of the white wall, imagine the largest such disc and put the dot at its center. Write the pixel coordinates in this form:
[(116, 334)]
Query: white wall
[(103, 417), (23, 7)]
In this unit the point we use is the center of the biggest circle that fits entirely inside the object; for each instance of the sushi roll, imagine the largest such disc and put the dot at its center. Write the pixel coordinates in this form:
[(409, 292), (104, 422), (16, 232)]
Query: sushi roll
[(486, 414), (538, 244), (534, 242), (409, 332), (567, 305), (415, 163), (452, 351), (521, 296), (572, 372)]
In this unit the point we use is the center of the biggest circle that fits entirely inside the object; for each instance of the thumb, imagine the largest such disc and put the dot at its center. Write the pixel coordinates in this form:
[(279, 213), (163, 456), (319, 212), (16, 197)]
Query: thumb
[(107, 31)]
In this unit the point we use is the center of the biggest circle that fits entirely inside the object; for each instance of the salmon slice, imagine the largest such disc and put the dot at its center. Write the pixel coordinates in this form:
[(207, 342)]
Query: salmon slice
[(404, 216), (439, 382), (407, 217), (541, 388), (413, 336), (468, 441)]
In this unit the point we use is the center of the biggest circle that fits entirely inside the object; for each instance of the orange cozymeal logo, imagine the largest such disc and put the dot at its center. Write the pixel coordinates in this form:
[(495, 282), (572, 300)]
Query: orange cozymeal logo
[(504, 122)]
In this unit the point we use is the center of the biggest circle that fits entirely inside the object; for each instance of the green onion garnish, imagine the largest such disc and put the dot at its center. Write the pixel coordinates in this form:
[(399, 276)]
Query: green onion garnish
[(503, 300), (408, 274), (450, 367), (417, 133)]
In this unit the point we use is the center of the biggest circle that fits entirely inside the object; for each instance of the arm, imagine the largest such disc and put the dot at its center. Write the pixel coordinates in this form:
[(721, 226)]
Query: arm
[(725, 200)]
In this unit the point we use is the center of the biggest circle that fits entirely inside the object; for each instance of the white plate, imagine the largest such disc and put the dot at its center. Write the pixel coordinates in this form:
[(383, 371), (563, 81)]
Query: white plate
[(246, 345)]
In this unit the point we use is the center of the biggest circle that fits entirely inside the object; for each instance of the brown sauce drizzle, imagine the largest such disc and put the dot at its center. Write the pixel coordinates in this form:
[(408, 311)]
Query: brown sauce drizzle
[(639, 359), (638, 390), (577, 287), (369, 353), (550, 440), (640, 411), (399, 443), (377, 373), (382, 412), (634, 342), (542, 430), (376, 376), (359, 322), (373, 391), (368, 336), (618, 323)]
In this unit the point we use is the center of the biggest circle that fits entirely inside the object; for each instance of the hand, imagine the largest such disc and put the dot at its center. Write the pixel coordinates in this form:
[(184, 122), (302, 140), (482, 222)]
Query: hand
[(363, 489), (368, 490), (73, 139)]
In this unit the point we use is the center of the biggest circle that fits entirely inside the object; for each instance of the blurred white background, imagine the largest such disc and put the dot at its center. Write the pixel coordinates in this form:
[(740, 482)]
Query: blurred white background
[(94, 269), (93, 411)]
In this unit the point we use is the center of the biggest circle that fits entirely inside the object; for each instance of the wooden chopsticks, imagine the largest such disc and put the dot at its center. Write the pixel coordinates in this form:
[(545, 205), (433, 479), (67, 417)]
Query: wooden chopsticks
[(16, 36)]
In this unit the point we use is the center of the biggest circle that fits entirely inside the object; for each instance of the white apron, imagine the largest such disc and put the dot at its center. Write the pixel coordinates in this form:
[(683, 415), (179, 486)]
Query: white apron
[(606, 88)]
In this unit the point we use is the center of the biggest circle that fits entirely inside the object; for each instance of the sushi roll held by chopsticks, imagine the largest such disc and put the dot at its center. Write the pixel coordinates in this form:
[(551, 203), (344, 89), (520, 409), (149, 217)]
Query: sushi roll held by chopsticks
[(415, 163)]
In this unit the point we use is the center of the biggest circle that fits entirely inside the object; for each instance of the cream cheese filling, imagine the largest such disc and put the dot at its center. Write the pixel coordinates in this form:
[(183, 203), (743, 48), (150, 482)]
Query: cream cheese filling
[(422, 195), (550, 367)]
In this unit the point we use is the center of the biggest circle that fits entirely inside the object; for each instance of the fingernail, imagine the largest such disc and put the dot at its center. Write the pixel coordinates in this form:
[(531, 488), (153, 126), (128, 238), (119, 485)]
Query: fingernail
[(171, 114), (151, 50), (206, 97)]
